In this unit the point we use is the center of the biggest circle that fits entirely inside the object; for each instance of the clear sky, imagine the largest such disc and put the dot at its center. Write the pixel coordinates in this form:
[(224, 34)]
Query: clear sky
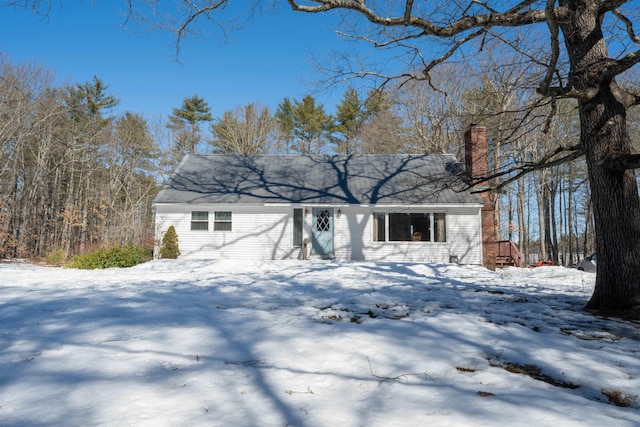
[(265, 62)]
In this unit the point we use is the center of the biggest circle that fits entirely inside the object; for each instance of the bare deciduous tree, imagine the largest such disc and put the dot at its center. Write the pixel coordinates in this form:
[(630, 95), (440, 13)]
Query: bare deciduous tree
[(246, 130)]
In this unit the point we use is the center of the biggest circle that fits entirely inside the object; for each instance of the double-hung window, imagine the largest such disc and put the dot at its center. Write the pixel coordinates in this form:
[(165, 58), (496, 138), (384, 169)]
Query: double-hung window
[(199, 221), (222, 221)]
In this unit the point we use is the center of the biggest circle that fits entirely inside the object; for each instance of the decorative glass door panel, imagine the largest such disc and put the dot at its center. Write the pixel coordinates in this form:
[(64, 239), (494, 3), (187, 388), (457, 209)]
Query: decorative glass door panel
[(322, 243)]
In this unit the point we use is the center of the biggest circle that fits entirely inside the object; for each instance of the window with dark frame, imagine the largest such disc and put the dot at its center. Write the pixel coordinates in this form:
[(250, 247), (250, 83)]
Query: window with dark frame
[(222, 221), (297, 227), (409, 226), (199, 221)]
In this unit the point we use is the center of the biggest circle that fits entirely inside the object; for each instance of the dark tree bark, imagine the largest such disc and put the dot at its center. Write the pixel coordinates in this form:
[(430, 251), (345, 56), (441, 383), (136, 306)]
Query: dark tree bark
[(604, 135)]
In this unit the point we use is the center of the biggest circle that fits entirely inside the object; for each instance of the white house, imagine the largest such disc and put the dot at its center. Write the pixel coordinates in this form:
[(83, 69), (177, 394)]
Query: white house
[(347, 207)]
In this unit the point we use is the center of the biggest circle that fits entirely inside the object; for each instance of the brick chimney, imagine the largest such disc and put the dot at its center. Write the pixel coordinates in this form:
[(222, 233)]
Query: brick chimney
[(476, 165), (475, 152)]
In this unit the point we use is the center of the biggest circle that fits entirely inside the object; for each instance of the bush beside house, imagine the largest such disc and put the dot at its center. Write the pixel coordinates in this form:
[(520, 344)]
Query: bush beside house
[(170, 247)]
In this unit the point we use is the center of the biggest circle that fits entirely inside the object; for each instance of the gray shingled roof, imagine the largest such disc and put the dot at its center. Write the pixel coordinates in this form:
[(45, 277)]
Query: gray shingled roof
[(314, 179)]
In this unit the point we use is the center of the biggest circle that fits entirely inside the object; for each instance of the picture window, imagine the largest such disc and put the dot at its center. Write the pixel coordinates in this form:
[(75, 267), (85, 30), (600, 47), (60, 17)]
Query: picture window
[(409, 226)]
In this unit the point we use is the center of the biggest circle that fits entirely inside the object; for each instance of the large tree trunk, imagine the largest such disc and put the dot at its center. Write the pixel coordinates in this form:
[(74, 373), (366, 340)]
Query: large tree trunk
[(616, 206), (614, 190)]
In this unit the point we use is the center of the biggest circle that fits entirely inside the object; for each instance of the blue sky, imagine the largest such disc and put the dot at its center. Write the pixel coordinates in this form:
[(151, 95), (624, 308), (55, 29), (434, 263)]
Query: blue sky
[(264, 62)]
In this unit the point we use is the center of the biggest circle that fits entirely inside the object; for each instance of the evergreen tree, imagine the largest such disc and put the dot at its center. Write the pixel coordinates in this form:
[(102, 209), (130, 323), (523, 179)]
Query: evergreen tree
[(350, 118), (96, 98), (185, 123), (170, 249), (285, 122), (305, 123), (355, 115), (86, 131)]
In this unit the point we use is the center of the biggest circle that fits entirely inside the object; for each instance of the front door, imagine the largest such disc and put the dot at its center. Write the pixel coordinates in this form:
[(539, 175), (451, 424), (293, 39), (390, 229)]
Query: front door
[(322, 242)]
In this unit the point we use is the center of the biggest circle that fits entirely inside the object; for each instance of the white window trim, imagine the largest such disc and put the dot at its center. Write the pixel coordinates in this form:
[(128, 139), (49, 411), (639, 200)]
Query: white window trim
[(222, 221), (198, 221), (432, 224)]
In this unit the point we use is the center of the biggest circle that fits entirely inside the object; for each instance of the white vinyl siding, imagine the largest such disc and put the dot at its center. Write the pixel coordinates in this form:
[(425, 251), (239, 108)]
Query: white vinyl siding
[(267, 232), (256, 232)]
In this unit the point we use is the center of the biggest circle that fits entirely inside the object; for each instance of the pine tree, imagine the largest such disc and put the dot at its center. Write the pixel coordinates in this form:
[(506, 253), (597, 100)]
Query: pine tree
[(184, 121), (350, 118), (306, 123)]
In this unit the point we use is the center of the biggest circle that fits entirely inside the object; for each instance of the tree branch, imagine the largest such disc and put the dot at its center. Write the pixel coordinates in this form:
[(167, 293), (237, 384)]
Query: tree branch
[(496, 19), (628, 24), (621, 65), (525, 168), (453, 50), (197, 12), (621, 161), (552, 23), (407, 11)]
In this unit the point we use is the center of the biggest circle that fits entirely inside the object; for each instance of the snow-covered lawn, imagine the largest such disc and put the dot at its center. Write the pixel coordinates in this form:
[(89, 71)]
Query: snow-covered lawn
[(222, 343)]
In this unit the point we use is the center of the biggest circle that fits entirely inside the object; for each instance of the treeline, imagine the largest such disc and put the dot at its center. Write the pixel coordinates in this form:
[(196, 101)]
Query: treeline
[(74, 176), (71, 176)]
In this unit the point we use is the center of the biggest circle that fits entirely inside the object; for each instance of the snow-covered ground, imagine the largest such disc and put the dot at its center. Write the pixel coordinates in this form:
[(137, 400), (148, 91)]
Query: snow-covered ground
[(222, 343)]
